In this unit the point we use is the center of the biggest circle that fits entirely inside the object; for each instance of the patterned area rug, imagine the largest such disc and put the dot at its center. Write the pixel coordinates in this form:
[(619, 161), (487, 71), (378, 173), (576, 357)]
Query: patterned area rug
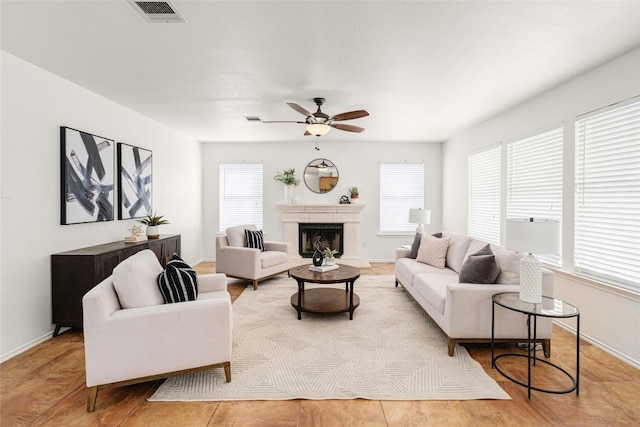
[(391, 350)]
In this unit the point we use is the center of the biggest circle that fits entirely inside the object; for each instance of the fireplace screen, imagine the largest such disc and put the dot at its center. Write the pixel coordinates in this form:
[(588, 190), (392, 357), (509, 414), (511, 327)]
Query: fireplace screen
[(330, 236)]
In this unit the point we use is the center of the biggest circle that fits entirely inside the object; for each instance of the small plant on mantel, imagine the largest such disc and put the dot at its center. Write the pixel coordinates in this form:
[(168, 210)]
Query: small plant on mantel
[(354, 194), (287, 177)]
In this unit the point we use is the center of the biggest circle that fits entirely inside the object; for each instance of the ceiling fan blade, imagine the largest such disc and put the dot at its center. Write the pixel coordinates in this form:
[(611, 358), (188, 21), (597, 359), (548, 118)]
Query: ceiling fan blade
[(350, 115), (298, 108), (280, 121), (348, 128), (306, 133)]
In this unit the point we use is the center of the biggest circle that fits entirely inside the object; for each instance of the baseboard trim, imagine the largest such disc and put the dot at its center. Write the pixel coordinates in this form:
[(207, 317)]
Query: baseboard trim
[(602, 346), (27, 346)]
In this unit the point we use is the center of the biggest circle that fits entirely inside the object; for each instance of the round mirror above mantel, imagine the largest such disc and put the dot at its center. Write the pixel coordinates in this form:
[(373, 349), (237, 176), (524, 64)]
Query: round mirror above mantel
[(321, 176)]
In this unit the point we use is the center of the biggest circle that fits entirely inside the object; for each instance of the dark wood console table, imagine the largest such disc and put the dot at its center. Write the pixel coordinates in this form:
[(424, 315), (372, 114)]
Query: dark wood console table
[(74, 273)]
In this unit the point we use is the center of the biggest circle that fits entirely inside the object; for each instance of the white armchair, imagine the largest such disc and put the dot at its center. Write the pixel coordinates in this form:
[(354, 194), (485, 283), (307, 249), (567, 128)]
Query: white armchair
[(236, 260), (132, 345)]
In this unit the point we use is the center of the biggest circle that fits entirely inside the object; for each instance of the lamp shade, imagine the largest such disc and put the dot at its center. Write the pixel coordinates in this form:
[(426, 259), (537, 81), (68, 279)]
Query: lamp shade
[(318, 129), (420, 216), (535, 236)]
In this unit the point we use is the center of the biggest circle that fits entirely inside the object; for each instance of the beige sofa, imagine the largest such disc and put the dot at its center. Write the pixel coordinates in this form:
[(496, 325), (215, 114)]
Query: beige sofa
[(463, 310)]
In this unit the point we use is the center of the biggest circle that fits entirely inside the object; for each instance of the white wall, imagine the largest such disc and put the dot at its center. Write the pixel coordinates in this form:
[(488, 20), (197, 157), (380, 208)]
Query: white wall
[(35, 103), (610, 317), (358, 165)]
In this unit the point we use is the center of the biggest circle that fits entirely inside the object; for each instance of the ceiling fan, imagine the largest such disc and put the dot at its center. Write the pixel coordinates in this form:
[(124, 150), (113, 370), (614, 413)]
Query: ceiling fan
[(319, 123)]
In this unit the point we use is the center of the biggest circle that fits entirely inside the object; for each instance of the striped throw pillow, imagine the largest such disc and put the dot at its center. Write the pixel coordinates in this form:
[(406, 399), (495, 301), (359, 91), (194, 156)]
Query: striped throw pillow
[(178, 282), (254, 239)]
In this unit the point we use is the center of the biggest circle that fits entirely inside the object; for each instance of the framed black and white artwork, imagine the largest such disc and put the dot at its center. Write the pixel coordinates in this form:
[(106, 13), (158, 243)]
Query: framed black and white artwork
[(135, 181), (87, 182)]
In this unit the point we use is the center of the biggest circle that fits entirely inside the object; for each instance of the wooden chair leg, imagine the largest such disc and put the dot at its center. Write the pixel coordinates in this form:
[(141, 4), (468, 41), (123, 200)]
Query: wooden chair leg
[(227, 371), (91, 398), (546, 348), (255, 285)]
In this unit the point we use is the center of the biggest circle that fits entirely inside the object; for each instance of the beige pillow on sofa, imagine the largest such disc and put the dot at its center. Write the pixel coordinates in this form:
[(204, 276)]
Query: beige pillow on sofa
[(134, 280), (433, 251)]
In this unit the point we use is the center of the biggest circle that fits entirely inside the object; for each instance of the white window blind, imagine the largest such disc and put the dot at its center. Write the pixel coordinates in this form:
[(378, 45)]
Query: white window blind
[(401, 189), (607, 194), (240, 195), (484, 195), (534, 179)]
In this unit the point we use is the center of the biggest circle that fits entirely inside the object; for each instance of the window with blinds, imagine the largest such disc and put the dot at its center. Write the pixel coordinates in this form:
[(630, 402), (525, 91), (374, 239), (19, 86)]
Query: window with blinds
[(607, 194), (534, 179), (401, 189), (484, 195), (240, 194)]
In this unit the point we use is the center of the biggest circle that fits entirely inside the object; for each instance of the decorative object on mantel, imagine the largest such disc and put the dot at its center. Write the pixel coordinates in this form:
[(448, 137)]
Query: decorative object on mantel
[(355, 194), (317, 256), (420, 216), (86, 177), (534, 236), (135, 181), (344, 200), (288, 178), (136, 235), (153, 223)]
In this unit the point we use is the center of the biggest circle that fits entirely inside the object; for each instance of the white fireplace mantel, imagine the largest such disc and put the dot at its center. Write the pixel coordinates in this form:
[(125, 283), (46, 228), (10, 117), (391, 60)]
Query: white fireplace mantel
[(347, 214)]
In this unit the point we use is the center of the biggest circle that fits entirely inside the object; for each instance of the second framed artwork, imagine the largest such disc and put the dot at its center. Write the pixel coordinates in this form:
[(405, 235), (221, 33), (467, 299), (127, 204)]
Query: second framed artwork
[(135, 183)]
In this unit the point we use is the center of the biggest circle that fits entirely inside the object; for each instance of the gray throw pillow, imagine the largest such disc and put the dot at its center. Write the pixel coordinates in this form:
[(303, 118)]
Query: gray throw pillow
[(480, 267)]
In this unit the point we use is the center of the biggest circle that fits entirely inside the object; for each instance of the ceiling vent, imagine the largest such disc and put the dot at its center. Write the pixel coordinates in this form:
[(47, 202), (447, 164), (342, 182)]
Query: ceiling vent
[(157, 11)]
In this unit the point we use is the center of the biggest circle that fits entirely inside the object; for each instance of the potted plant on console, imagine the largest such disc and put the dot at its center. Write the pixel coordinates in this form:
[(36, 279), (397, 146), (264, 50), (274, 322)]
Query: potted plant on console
[(288, 178), (153, 223)]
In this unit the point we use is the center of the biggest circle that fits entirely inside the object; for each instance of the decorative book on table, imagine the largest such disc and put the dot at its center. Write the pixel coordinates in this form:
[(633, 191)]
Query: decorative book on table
[(323, 268), (135, 239)]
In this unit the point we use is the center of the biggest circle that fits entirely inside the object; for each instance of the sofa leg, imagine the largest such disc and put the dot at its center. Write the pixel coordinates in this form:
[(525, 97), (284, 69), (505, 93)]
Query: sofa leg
[(396, 283), (452, 346), (255, 285), (546, 348), (227, 371), (91, 398)]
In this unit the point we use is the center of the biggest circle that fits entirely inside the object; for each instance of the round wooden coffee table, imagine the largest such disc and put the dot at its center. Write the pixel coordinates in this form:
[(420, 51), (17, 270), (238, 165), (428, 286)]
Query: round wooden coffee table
[(325, 300)]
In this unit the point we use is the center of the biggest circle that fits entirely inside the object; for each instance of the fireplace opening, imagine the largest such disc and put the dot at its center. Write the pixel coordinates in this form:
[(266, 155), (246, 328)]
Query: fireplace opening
[(330, 236)]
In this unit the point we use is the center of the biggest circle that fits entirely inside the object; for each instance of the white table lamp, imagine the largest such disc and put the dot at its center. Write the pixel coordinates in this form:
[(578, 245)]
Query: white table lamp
[(420, 216), (534, 236)]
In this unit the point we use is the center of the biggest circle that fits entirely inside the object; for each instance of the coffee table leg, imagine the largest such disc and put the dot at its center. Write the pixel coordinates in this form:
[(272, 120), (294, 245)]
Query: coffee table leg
[(351, 301), (300, 291)]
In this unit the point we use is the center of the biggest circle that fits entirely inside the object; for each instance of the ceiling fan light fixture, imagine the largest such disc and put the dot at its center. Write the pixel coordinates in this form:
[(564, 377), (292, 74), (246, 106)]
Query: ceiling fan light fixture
[(318, 129)]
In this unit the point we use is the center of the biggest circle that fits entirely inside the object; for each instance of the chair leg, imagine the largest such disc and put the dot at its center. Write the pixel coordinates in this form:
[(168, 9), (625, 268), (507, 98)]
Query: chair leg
[(255, 285), (91, 398), (227, 371), (546, 347)]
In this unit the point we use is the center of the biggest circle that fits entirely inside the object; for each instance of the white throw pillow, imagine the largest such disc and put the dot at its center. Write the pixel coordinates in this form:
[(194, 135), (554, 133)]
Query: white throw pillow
[(135, 280), (235, 234), (433, 251), (509, 262)]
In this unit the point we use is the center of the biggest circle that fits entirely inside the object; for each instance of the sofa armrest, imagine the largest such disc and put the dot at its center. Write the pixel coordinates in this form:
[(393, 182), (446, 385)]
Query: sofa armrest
[(277, 246), (212, 282), (237, 261), (402, 252)]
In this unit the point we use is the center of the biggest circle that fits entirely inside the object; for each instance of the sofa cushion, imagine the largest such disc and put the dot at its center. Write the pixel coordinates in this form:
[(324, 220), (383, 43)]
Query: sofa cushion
[(480, 267), (134, 280), (254, 239), (458, 246), (433, 287), (178, 282), (235, 234), (433, 251), (271, 258), (509, 262)]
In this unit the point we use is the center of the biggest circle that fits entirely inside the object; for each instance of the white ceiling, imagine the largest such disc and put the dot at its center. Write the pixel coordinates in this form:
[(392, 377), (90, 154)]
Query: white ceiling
[(423, 70)]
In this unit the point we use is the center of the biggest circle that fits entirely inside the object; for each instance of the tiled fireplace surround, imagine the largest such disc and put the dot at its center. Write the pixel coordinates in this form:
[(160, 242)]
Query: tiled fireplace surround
[(347, 214)]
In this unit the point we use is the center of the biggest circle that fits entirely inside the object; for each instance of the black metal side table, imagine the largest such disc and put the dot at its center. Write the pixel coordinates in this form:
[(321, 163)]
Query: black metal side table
[(550, 307)]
